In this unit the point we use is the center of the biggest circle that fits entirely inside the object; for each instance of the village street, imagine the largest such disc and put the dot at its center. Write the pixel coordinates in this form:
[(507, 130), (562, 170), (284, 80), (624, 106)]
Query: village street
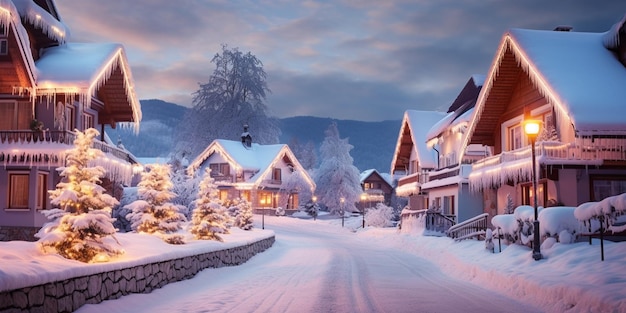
[(319, 268)]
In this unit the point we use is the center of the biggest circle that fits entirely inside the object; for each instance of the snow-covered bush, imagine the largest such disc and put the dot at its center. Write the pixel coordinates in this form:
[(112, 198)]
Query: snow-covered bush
[(553, 221), (312, 209), (209, 218), (525, 216), (153, 212), (120, 211), (507, 227), (381, 216), (603, 214), (489, 240), (280, 211), (81, 226)]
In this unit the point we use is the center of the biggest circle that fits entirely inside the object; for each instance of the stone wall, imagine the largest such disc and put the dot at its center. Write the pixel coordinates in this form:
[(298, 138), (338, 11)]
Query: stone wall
[(72, 293), (9, 233)]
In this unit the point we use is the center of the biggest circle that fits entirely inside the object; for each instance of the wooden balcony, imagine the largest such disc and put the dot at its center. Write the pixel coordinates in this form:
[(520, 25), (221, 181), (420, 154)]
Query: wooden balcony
[(47, 140)]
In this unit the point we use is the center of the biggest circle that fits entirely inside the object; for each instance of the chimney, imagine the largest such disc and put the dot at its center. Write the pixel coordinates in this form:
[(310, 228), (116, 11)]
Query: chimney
[(246, 139)]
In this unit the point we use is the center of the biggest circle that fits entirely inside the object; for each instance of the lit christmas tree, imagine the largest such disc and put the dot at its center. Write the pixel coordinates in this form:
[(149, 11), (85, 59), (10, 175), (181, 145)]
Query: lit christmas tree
[(153, 212), (81, 227), (209, 218)]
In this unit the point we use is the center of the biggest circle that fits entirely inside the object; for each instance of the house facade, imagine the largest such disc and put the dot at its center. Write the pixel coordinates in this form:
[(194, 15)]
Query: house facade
[(447, 185), (573, 83), (412, 159), (376, 189), (268, 176), (49, 87)]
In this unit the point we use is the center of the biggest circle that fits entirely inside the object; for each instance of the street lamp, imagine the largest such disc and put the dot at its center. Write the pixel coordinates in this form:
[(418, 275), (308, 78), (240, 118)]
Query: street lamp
[(343, 214), (363, 199), (314, 198), (263, 212), (531, 128)]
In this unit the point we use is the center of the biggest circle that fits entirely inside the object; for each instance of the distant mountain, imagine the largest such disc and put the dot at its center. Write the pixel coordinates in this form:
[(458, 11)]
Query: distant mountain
[(374, 142)]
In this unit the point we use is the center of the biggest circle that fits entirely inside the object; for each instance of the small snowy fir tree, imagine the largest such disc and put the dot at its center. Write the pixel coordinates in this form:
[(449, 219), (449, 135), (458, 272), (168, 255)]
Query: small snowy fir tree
[(153, 212), (312, 209), (510, 205), (81, 227), (337, 178), (244, 218), (184, 186), (209, 218)]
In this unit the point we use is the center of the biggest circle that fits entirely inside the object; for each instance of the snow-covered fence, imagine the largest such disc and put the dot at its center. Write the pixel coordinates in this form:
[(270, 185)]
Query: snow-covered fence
[(72, 293), (598, 217), (412, 221)]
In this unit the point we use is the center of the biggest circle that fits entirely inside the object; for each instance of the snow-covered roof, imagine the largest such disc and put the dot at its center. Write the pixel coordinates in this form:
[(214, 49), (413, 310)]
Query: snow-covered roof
[(574, 71), (419, 123), (367, 173), (35, 15), (257, 158)]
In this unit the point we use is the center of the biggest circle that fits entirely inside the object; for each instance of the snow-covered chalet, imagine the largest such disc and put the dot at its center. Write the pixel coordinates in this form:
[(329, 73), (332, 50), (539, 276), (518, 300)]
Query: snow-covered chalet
[(412, 159), (447, 185), (49, 87), (574, 82), (377, 188), (269, 176)]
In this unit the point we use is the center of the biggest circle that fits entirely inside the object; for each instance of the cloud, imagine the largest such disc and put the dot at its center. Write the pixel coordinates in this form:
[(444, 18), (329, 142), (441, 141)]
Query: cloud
[(358, 59)]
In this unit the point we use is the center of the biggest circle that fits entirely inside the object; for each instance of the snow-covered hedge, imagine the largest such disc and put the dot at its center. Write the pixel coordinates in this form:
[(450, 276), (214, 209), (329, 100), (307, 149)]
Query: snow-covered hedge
[(381, 216), (606, 213), (554, 222)]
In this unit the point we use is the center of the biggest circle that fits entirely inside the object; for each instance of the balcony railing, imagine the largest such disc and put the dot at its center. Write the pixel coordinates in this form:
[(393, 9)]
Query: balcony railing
[(25, 137)]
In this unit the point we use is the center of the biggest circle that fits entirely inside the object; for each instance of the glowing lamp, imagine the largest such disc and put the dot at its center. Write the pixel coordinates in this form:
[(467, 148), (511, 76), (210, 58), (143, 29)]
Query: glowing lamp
[(531, 127)]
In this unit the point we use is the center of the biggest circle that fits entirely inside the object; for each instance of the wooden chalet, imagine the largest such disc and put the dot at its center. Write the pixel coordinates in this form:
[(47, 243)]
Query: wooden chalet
[(376, 189), (49, 87), (572, 82)]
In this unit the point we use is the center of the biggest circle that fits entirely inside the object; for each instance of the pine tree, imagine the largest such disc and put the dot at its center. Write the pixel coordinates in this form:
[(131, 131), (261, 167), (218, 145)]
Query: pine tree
[(244, 218), (209, 218), (153, 212), (312, 209), (510, 205), (81, 226), (337, 178)]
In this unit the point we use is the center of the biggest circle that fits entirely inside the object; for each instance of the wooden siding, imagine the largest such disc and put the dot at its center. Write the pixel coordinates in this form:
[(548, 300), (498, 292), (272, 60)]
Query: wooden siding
[(13, 69)]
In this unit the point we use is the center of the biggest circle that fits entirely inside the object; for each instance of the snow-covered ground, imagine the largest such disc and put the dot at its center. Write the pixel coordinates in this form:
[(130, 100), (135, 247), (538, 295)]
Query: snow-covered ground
[(570, 278)]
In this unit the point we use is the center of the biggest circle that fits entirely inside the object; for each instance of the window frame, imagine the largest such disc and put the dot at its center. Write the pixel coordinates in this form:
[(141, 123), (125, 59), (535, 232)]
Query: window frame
[(12, 191)]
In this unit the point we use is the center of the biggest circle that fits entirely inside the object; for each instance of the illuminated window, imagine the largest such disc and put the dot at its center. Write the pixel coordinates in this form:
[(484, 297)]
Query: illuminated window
[(245, 194), (529, 199), (265, 199), (18, 190), (223, 195), (15, 115)]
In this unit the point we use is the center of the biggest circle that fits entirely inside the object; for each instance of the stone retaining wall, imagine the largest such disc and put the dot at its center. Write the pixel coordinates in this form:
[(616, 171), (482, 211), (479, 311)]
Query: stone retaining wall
[(72, 293), (9, 233)]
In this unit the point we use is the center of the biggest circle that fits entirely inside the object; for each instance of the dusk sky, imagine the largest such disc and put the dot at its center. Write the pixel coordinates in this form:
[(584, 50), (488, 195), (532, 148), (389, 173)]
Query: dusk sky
[(365, 60)]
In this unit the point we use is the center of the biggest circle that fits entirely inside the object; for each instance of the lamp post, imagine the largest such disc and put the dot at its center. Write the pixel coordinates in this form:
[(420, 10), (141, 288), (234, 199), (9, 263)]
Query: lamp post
[(314, 198), (343, 214), (531, 128), (363, 199)]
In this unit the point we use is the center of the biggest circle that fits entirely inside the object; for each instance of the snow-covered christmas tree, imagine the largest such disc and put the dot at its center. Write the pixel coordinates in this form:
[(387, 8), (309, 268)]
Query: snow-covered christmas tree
[(153, 212), (244, 218), (209, 218), (81, 227), (337, 178), (510, 205)]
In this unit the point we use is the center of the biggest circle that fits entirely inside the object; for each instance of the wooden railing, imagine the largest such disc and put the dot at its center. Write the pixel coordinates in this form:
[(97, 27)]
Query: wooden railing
[(438, 222), (473, 228), (57, 136)]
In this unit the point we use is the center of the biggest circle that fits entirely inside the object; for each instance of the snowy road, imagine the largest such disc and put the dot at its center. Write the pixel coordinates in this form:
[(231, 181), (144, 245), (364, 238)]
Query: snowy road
[(315, 267)]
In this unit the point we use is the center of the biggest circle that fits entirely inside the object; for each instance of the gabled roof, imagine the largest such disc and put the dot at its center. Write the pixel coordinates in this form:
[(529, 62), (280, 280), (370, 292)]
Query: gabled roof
[(42, 16), (412, 137), (574, 71), (368, 173), (257, 159)]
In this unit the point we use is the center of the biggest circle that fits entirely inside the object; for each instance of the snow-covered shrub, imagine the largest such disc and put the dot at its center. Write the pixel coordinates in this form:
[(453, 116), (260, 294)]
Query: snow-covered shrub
[(603, 214), (525, 216), (280, 211), (153, 212), (489, 240), (506, 226), (555, 220), (510, 205), (244, 218), (209, 218), (381, 216), (312, 209), (81, 226), (120, 211)]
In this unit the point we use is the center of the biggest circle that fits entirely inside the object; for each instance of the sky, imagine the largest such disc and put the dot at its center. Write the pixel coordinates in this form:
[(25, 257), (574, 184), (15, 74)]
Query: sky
[(366, 60), (292, 272)]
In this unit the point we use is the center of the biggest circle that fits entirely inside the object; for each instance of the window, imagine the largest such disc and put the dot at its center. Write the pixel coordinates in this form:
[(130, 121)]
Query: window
[(448, 205), (607, 186), (219, 169), (276, 175), (223, 195), (42, 191), (15, 115), (245, 195), (367, 186), (292, 203), (514, 137), (18, 190), (528, 196), (265, 199), (87, 121), (70, 117), (4, 42)]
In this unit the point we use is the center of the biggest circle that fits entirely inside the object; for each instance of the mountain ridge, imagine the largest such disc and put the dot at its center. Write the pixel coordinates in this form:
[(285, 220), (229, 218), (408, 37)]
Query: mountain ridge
[(373, 142)]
